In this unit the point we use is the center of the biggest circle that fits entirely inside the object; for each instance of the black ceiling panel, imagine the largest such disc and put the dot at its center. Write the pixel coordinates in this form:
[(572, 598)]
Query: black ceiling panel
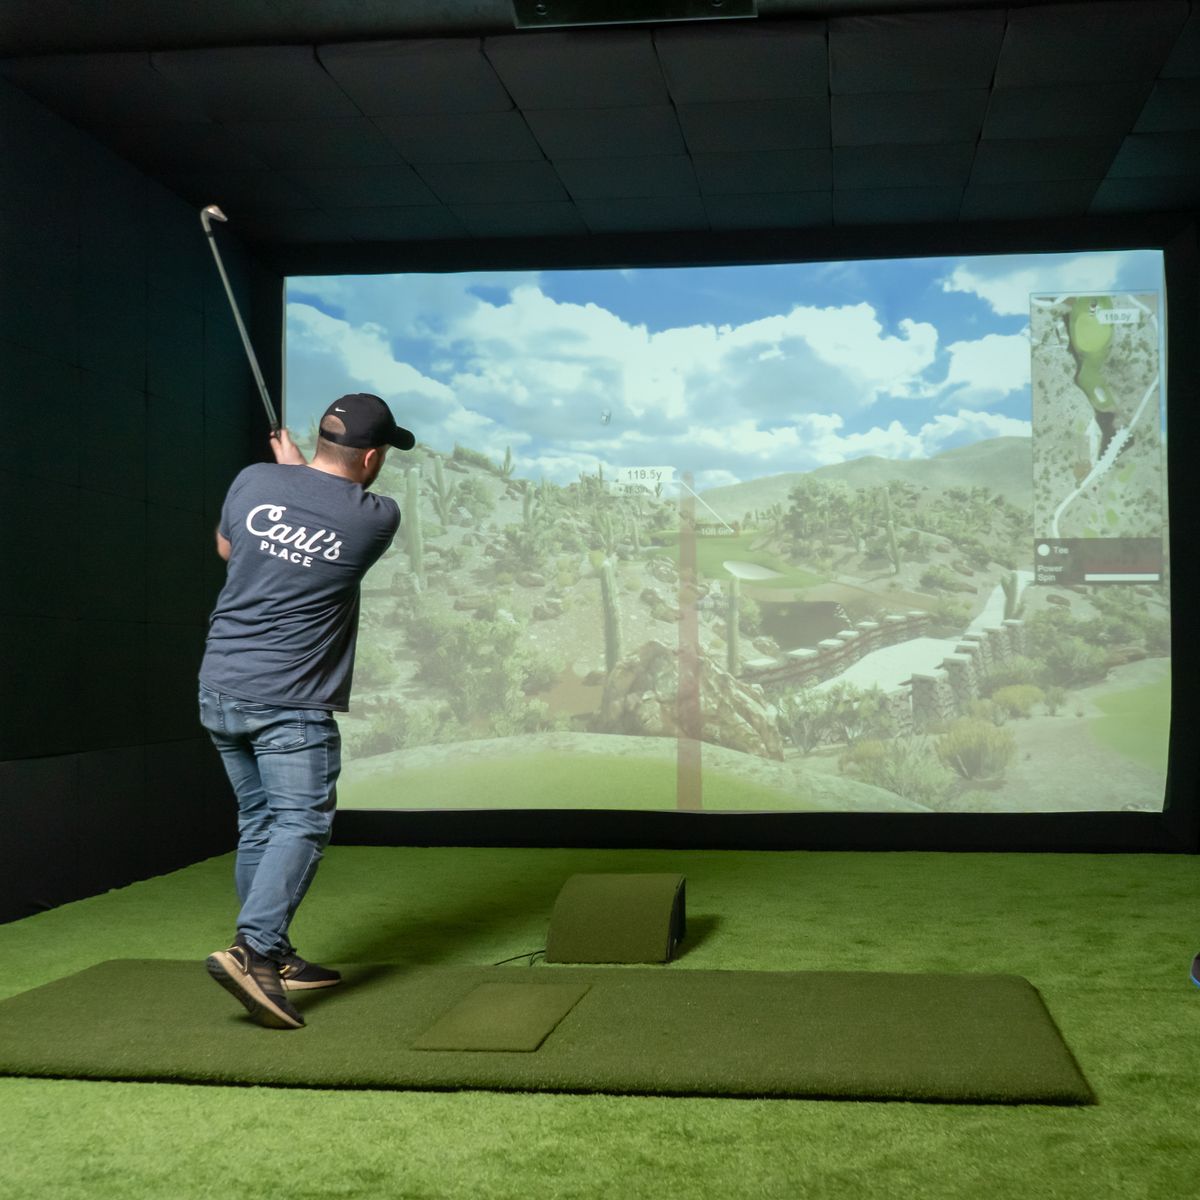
[(606, 132), (180, 146), (1157, 154), (1184, 62), (600, 178), (902, 166), (104, 89), (1174, 194), (399, 223), (1088, 43), (395, 79), (650, 213), (239, 190), (362, 187), (756, 126), (781, 171), (914, 52), (256, 83), (1066, 112), (296, 226), (777, 210), (377, 122), (1014, 202), (493, 183), (759, 61), (872, 118), (1174, 104), (461, 137), (896, 206), (604, 68), (537, 219), (342, 142), (1011, 160)]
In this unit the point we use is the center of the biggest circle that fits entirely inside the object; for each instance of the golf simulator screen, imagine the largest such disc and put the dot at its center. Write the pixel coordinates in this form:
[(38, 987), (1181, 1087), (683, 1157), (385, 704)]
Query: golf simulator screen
[(859, 536)]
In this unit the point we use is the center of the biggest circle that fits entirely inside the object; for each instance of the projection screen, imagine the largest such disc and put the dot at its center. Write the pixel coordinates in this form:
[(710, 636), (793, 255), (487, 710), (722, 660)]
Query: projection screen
[(880, 536)]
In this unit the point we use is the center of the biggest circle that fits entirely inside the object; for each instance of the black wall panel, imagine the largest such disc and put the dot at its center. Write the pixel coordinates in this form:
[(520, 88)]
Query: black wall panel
[(126, 408)]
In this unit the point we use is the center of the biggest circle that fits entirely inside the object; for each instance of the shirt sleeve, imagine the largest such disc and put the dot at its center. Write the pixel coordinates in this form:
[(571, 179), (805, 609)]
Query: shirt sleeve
[(389, 522), (225, 528)]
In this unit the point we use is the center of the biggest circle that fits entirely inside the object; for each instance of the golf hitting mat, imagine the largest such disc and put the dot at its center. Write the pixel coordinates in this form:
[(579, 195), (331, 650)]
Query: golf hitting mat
[(660, 1031)]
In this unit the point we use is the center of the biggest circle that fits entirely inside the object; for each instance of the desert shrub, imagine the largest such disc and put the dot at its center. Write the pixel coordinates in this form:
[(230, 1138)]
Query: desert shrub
[(541, 671), (906, 766), (473, 495), (1018, 699), (985, 710), (947, 616), (373, 666), (1055, 698), (1012, 671), (1073, 661), (749, 616), (1067, 646), (976, 749), (853, 713), (472, 458), (1158, 635), (803, 719), (939, 578), (400, 725)]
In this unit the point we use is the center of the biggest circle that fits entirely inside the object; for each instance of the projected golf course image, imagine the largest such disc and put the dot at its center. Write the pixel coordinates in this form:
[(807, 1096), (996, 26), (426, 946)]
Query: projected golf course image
[(775, 522)]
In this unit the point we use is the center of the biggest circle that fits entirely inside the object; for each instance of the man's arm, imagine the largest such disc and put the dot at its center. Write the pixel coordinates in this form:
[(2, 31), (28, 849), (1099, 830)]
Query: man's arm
[(286, 452)]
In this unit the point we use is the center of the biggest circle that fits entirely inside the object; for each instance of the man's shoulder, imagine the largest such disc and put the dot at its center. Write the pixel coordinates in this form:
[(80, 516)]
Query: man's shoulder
[(383, 507)]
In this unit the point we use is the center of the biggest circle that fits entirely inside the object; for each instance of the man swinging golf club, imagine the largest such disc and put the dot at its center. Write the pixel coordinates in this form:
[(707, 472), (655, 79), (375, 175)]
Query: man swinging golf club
[(298, 538)]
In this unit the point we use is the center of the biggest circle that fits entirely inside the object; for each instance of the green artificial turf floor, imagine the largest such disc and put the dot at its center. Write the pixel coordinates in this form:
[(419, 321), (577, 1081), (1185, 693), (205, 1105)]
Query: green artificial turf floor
[(1106, 939)]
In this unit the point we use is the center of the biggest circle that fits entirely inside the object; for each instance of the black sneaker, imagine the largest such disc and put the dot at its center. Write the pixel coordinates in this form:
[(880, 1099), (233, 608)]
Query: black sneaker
[(254, 979), (298, 974), (1196, 970)]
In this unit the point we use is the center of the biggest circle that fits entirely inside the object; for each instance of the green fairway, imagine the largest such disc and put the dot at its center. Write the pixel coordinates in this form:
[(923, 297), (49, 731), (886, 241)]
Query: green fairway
[(712, 552), (1056, 919), (1136, 723), (555, 780)]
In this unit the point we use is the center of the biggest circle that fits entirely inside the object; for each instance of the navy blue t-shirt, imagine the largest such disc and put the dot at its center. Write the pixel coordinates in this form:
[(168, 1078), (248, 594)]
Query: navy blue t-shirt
[(286, 622)]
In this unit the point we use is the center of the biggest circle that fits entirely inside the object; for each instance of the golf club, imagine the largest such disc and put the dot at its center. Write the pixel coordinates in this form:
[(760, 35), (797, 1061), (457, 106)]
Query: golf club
[(207, 215)]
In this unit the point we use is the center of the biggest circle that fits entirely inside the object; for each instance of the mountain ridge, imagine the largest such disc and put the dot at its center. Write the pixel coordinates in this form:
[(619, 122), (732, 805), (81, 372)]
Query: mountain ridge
[(1002, 464)]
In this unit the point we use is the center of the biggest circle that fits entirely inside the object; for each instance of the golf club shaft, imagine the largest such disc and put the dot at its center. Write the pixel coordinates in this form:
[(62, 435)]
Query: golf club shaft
[(237, 316)]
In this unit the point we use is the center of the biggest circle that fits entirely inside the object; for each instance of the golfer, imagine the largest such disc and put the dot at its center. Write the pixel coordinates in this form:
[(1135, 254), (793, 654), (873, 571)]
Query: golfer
[(298, 538)]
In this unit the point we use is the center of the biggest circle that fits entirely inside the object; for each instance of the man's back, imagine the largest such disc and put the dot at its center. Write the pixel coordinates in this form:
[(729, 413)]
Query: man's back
[(284, 627)]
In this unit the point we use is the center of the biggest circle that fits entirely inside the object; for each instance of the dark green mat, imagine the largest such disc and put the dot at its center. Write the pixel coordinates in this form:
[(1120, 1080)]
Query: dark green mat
[(503, 1016), (973, 1038)]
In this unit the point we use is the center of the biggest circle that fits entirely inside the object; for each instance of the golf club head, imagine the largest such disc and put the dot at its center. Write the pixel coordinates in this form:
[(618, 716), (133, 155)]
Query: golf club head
[(211, 212)]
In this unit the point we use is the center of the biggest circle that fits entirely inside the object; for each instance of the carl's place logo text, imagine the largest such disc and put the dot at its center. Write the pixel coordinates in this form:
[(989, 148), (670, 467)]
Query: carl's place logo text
[(293, 543)]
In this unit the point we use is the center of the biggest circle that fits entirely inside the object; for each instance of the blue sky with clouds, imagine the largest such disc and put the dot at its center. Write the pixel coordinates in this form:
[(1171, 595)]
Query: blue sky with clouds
[(732, 373)]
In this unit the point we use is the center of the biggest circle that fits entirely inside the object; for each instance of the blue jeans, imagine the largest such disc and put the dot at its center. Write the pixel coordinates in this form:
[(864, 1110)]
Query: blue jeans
[(283, 764)]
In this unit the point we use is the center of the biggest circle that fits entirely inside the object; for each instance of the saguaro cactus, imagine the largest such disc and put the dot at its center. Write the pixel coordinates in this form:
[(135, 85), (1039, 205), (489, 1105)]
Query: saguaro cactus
[(612, 615), (441, 493), (412, 523), (1013, 605), (732, 626), (893, 547)]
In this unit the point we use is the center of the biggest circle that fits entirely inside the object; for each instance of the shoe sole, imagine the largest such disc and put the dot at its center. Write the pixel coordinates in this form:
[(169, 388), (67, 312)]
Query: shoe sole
[(292, 985), (223, 968)]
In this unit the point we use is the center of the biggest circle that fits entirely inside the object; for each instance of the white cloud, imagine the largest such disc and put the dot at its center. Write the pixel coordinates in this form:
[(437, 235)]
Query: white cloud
[(984, 371), (568, 385), (969, 425), (364, 352), (1005, 282)]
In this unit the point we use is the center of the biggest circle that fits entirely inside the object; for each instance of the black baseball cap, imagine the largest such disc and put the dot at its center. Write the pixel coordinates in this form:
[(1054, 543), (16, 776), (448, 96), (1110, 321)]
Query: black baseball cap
[(369, 423)]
